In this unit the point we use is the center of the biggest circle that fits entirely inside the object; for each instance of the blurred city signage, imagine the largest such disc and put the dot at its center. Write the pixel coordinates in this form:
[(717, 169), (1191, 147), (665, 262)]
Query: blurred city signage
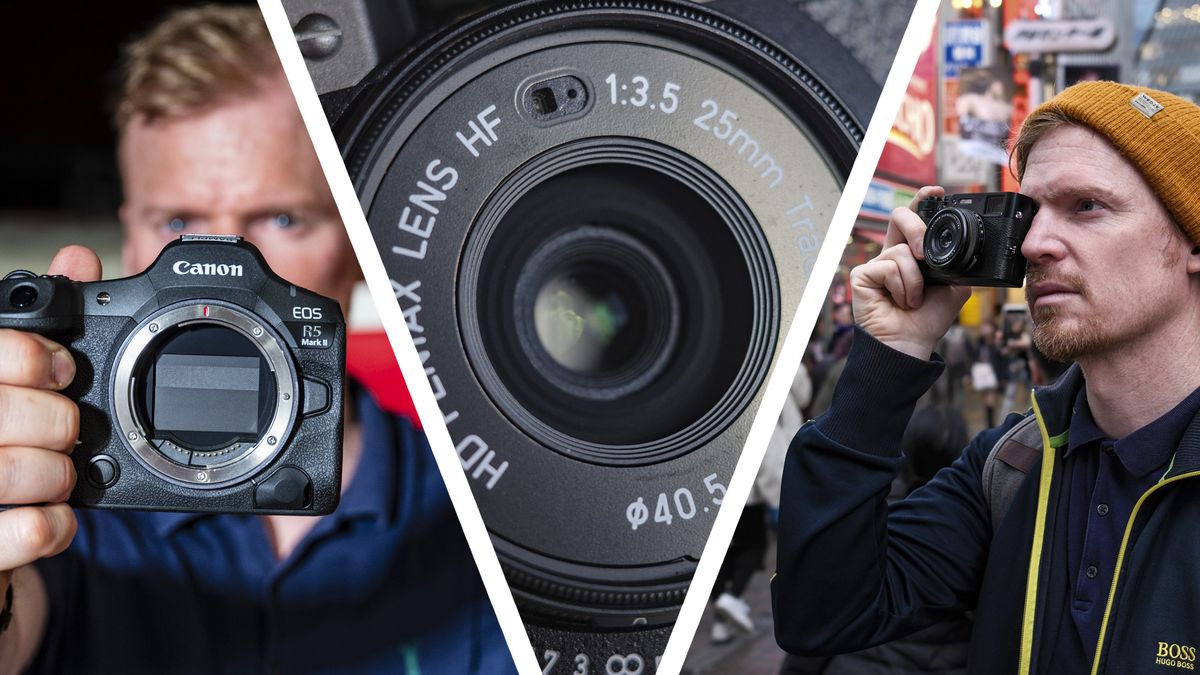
[(966, 44), (910, 151), (1077, 35), (882, 196)]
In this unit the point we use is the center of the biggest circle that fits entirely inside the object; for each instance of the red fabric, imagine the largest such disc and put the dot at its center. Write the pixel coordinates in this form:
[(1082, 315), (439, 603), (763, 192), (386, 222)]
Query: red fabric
[(370, 361)]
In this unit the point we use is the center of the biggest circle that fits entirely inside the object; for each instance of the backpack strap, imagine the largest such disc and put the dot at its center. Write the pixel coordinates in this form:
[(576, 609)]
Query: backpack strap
[(1009, 461)]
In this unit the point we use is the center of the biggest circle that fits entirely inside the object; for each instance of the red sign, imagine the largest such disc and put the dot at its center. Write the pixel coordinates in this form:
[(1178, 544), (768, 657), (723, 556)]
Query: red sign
[(910, 154)]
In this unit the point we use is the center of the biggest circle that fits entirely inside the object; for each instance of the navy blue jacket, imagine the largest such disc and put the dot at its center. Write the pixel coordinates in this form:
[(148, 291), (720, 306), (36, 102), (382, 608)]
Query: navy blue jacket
[(854, 572), (385, 584)]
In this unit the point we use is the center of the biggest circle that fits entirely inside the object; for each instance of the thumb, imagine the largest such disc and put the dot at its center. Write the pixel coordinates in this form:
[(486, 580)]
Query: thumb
[(78, 263)]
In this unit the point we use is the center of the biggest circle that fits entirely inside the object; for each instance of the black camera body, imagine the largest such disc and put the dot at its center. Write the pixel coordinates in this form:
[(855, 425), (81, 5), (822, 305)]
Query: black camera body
[(975, 239), (204, 384)]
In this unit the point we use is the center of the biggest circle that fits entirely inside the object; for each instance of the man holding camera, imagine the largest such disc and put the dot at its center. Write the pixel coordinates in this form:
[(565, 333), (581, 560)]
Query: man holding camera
[(1068, 530), (211, 142)]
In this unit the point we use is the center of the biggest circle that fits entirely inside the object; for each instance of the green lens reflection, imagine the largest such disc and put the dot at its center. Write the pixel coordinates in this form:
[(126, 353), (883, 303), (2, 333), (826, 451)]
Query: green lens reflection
[(578, 319)]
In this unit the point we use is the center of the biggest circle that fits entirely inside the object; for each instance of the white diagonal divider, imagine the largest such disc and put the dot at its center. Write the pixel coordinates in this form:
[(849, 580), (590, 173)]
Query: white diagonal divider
[(397, 332), (916, 38)]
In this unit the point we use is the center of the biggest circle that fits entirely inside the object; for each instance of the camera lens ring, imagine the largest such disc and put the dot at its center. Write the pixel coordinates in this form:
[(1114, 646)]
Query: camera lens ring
[(952, 239), (391, 91), (753, 248), (393, 113), (138, 346)]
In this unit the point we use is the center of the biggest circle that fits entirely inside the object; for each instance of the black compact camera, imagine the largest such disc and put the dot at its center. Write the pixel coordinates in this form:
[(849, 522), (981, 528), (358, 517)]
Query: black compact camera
[(598, 217), (975, 239), (205, 383)]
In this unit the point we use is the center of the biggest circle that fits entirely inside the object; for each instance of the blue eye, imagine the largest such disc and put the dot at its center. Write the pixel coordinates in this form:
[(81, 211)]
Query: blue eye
[(1089, 205), (177, 225), (282, 220)]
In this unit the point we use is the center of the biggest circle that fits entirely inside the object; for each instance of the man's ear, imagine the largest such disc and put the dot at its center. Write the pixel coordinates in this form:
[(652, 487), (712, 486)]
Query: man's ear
[(1193, 263)]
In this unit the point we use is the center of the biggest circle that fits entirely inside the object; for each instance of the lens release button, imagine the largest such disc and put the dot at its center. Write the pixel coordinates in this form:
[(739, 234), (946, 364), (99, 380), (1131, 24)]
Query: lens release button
[(288, 488), (316, 397), (102, 472)]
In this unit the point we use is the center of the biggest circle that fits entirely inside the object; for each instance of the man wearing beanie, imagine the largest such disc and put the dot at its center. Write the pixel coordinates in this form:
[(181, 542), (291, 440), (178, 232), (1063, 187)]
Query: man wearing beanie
[(1070, 532)]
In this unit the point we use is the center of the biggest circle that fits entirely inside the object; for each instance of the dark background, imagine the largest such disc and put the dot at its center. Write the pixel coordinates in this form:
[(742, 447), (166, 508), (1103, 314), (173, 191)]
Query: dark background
[(60, 62)]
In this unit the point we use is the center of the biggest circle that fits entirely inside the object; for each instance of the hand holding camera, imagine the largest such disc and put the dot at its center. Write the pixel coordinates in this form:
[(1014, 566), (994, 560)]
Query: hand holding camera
[(892, 299), (206, 383), (38, 428)]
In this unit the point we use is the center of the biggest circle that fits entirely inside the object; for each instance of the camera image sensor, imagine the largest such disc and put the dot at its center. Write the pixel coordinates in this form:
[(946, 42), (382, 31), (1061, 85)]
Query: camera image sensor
[(211, 394), (204, 387)]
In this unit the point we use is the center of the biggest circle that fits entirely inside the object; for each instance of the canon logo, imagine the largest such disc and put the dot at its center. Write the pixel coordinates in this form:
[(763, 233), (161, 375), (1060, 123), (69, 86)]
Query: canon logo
[(207, 269)]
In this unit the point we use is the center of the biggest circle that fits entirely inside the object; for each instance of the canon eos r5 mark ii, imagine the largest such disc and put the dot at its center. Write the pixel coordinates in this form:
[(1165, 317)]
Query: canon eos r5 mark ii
[(206, 383)]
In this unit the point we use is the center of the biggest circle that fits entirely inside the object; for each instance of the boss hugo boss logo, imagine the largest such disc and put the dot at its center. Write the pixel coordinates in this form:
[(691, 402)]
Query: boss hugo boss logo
[(1175, 656), (207, 269)]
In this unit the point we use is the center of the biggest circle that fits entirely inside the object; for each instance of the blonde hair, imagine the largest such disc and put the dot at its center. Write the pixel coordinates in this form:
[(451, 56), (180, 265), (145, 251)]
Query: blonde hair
[(192, 60)]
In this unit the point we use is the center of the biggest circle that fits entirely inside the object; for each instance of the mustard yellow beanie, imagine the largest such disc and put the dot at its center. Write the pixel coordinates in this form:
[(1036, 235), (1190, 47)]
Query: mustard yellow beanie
[(1158, 132)]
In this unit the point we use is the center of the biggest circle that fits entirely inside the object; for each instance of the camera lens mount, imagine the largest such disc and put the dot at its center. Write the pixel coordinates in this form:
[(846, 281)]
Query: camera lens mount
[(205, 393), (952, 239)]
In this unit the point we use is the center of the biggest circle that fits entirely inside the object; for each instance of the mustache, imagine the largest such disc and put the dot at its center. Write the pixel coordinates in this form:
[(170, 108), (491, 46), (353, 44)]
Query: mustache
[(1036, 275)]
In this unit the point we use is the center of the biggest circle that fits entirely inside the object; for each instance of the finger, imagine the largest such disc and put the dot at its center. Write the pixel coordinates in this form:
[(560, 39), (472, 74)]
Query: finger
[(905, 225), (29, 360), (36, 418), (880, 274), (76, 262), (35, 476), (894, 284), (910, 275), (925, 193), (33, 532)]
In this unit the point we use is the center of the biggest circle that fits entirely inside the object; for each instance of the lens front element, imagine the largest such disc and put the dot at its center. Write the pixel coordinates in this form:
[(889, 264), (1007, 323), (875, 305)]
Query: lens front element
[(605, 310), (596, 283)]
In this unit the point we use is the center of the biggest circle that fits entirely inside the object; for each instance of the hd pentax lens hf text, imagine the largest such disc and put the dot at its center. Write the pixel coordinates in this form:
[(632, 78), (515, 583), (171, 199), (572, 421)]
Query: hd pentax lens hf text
[(206, 383), (598, 218)]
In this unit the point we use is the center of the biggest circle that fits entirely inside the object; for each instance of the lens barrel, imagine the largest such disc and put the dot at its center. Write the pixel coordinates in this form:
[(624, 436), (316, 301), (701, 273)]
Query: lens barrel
[(953, 239), (597, 283)]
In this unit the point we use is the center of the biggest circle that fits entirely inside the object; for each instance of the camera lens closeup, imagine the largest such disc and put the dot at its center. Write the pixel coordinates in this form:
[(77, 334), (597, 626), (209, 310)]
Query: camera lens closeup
[(952, 239), (598, 217), (600, 287)]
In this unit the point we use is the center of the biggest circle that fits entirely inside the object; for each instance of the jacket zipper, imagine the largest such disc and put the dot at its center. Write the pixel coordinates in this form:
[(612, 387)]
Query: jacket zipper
[(1112, 591), (1025, 659)]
